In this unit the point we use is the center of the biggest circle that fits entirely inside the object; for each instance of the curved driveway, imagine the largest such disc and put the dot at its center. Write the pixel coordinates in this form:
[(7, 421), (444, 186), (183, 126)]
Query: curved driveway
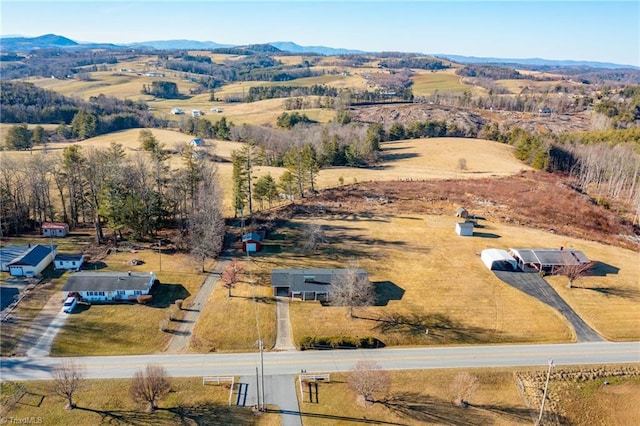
[(278, 363), (536, 286)]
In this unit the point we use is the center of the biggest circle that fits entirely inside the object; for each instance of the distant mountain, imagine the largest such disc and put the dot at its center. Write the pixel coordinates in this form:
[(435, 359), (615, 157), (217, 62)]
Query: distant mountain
[(288, 46), (533, 62), (179, 45), (40, 42)]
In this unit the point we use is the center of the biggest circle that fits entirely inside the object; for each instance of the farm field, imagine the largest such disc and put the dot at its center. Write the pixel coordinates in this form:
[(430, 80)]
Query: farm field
[(426, 83)]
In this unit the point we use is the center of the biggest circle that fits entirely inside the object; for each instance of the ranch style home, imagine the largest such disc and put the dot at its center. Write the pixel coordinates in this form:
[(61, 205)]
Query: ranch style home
[(548, 260), (108, 286), (307, 284)]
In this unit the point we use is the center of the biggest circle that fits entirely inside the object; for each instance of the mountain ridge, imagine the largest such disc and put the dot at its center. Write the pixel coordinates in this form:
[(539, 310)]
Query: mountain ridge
[(22, 43)]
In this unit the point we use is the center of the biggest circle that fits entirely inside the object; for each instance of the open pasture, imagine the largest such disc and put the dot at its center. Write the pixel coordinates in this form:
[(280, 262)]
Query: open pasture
[(426, 83)]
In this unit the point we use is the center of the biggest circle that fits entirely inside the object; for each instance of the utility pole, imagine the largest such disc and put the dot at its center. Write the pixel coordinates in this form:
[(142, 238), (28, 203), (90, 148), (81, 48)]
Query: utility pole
[(160, 253), (544, 395), (262, 372)]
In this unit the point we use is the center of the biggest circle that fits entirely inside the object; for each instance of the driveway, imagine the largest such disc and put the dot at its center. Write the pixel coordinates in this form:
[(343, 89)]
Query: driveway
[(43, 346), (279, 390), (284, 342), (534, 285), (180, 340), (37, 340)]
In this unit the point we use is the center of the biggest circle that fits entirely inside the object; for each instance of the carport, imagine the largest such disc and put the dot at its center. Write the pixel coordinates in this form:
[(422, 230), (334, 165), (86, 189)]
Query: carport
[(497, 259)]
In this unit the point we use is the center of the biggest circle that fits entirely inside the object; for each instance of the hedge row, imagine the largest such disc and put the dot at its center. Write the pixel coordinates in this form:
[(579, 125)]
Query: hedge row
[(338, 342)]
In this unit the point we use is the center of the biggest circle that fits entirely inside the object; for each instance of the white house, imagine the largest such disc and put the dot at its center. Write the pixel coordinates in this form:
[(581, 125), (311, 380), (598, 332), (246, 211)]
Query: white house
[(108, 286), (33, 261), (55, 229), (71, 262)]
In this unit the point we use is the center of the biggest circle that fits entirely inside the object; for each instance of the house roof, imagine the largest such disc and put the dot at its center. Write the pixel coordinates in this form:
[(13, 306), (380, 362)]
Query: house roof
[(108, 281), (34, 255), (54, 225), (465, 225), (308, 279), (10, 253), (66, 257), (551, 256), (251, 236)]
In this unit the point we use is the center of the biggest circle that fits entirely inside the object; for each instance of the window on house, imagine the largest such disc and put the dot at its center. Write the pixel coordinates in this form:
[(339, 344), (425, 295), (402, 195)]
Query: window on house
[(73, 263), (309, 278), (137, 292), (121, 292)]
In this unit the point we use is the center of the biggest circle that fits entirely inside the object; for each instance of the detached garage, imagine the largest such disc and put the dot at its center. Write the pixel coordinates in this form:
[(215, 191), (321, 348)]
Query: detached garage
[(497, 259)]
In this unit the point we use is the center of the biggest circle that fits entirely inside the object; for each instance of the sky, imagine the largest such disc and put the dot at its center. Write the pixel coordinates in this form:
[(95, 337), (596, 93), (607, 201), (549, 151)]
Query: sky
[(604, 31)]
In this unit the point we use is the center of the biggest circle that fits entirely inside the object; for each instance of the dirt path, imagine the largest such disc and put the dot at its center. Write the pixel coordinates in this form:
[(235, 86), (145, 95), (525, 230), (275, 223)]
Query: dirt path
[(180, 340)]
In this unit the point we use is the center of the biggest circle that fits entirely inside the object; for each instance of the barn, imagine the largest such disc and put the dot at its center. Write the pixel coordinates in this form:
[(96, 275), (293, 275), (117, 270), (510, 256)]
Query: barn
[(497, 259), (33, 261), (251, 242), (10, 253), (464, 229)]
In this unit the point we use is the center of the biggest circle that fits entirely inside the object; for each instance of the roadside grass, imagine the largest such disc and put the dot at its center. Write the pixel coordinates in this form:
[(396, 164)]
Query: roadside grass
[(107, 401), (419, 397), (427, 278), (123, 329), (230, 324)]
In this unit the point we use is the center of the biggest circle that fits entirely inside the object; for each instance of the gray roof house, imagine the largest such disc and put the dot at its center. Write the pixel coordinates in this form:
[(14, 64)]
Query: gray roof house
[(307, 284), (109, 286)]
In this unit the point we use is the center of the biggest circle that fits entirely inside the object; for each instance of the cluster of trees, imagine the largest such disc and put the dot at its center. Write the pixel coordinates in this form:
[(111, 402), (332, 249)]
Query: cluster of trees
[(493, 72), (161, 89), (60, 63), (287, 121), (258, 93), (202, 128), (423, 63), (104, 187)]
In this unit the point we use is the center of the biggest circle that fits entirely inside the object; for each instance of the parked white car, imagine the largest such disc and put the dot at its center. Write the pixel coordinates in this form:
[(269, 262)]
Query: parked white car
[(69, 304)]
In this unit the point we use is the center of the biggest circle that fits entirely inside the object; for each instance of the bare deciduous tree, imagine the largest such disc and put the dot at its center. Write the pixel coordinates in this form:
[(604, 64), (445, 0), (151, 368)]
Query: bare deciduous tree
[(312, 236), (149, 385), (67, 380), (231, 274), (352, 289), (463, 387), (575, 271), (369, 381)]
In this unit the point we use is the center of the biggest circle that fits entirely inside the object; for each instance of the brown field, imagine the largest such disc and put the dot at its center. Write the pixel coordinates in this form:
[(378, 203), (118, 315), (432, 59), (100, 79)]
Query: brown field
[(517, 86), (421, 397), (230, 324), (107, 401), (424, 397)]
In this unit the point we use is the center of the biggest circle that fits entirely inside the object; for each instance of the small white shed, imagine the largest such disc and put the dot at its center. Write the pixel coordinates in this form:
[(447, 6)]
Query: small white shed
[(498, 259), (464, 229)]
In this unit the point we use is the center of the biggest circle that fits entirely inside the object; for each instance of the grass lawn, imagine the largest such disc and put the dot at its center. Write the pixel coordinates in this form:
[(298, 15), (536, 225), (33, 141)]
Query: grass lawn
[(421, 397), (228, 324), (108, 401), (427, 277), (119, 329)]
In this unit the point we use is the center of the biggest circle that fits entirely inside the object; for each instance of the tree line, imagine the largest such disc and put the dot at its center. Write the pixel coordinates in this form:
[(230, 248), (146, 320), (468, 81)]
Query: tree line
[(134, 195)]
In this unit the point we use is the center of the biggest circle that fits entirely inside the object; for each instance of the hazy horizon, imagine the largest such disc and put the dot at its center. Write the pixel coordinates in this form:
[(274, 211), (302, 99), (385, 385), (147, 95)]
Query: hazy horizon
[(598, 31)]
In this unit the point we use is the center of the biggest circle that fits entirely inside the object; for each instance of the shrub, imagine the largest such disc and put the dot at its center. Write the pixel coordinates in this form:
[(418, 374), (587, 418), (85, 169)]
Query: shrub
[(144, 299), (338, 342)]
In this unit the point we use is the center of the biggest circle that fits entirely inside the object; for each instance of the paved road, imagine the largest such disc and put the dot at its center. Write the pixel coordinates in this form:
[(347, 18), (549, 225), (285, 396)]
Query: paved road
[(180, 340), (536, 286), (277, 363)]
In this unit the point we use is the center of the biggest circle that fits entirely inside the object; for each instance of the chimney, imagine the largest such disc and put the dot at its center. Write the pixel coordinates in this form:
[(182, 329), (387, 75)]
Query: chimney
[(129, 273)]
